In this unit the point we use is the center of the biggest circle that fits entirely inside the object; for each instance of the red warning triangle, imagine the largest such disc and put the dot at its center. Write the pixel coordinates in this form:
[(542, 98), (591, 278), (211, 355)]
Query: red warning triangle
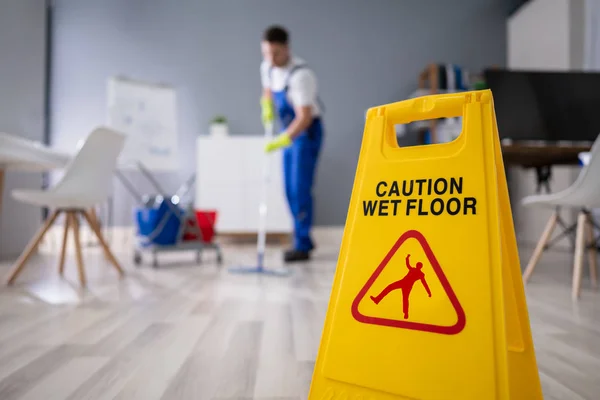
[(399, 323)]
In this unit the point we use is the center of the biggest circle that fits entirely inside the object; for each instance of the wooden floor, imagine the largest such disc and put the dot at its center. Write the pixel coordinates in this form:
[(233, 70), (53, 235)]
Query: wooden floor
[(197, 332)]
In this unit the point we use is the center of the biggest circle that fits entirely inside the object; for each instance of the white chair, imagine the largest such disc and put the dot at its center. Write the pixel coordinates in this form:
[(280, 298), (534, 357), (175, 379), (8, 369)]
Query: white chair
[(583, 195), (85, 184)]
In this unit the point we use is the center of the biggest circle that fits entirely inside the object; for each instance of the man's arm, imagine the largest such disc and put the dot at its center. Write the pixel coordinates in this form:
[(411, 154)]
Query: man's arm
[(302, 92), (301, 121)]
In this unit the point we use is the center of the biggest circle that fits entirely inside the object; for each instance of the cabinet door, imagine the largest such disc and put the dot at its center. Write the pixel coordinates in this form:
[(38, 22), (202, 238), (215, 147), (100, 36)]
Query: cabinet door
[(253, 162), (278, 216), (230, 179), (280, 219), (219, 160), (219, 181), (228, 201)]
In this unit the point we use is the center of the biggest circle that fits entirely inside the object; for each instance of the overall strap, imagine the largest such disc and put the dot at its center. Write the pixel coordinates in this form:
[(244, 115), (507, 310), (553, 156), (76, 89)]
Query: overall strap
[(289, 76)]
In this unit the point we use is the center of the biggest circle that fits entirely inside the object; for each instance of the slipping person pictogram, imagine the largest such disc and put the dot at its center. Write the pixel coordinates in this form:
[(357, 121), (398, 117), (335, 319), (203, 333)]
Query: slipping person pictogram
[(406, 284)]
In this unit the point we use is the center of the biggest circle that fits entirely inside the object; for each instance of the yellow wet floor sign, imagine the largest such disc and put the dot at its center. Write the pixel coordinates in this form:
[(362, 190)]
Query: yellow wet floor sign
[(427, 301)]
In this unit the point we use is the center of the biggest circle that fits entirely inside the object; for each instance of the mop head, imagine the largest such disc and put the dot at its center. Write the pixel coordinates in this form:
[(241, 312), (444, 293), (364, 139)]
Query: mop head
[(260, 269)]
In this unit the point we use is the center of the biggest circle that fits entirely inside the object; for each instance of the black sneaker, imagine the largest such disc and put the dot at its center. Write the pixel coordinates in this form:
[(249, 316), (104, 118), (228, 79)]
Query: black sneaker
[(296, 255)]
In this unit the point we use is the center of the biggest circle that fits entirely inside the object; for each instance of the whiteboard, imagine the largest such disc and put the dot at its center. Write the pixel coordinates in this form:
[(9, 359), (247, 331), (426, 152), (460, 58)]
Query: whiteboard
[(147, 114)]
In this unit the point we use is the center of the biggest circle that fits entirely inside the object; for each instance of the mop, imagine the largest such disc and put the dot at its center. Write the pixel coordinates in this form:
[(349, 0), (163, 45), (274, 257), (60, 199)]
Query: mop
[(262, 222)]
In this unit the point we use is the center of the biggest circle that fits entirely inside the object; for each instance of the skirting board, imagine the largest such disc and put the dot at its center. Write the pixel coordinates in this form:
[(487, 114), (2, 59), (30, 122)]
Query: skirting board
[(122, 239), (247, 237)]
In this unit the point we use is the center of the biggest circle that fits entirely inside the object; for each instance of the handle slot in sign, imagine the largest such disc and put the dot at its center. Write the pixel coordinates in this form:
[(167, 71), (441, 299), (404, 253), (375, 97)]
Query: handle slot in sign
[(384, 118)]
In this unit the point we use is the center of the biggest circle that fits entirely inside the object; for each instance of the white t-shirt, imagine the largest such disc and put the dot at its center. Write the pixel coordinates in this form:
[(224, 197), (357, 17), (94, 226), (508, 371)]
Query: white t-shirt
[(302, 85)]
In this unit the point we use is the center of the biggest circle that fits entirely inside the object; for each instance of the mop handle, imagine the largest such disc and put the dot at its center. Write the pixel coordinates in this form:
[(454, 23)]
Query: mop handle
[(262, 210)]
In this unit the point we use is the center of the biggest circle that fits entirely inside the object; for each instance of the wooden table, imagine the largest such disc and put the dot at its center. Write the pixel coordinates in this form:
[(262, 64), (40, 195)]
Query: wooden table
[(536, 155), (21, 154), (542, 157)]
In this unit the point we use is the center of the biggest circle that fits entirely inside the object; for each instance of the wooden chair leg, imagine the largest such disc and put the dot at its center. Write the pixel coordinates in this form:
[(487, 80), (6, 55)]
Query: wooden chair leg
[(592, 256), (30, 249), (63, 250), (94, 217), (539, 248), (105, 247), (75, 224), (578, 259), (1, 187)]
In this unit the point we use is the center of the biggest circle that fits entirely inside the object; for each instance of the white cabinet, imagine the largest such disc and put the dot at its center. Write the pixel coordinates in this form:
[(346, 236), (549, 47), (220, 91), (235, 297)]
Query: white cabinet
[(229, 178)]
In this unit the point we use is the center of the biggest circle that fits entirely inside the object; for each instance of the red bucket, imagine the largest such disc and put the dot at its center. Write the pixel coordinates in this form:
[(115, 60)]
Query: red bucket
[(205, 219)]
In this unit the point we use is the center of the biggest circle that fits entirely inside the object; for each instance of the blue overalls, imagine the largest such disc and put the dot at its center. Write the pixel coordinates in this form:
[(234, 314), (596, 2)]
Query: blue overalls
[(299, 165)]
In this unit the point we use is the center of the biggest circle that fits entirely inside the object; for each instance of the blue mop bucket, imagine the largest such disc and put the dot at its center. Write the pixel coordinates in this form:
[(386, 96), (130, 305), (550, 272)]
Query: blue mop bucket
[(158, 224)]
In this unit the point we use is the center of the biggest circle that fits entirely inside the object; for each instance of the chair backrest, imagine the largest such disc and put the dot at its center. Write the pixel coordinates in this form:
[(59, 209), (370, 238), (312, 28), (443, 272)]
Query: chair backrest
[(89, 174), (585, 191)]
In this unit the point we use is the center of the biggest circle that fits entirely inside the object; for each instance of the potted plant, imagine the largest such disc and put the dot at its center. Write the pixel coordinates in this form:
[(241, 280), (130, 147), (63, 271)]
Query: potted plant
[(218, 126)]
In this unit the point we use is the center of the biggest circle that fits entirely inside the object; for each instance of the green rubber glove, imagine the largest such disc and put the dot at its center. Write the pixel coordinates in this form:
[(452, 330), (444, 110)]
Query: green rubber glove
[(268, 110), (281, 141)]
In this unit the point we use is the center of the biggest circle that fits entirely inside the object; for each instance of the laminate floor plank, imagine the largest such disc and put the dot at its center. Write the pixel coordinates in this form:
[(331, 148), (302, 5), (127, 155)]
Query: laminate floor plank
[(238, 367), (278, 371), (159, 367), (102, 328), (199, 376), (106, 382), (23, 379), (20, 357), (554, 390), (51, 331), (61, 383), (307, 323)]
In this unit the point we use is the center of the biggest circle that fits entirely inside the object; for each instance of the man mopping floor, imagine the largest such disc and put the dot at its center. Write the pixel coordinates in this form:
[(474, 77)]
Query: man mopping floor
[(290, 90)]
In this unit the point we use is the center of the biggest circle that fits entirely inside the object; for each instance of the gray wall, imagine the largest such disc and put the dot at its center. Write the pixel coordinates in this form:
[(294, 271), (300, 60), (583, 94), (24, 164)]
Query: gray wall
[(365, 53), (577, 33), (22, 58)]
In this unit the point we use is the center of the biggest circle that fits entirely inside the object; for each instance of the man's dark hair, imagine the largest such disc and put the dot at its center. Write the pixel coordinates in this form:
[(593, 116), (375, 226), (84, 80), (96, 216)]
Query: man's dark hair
[(276, 34)]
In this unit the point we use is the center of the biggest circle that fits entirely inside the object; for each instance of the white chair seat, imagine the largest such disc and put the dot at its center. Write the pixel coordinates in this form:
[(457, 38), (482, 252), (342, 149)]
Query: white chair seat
[(54, 200), (564, 198)]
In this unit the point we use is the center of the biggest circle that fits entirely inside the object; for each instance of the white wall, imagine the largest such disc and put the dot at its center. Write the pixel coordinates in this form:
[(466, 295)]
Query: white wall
[(22, 49), (592, 35), (577, 23), (543, 35), (538, 36)]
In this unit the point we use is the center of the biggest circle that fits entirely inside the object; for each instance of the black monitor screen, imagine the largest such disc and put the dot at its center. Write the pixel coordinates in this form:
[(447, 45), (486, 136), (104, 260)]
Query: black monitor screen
[(517, 106), (570, 104), (551, 106)]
